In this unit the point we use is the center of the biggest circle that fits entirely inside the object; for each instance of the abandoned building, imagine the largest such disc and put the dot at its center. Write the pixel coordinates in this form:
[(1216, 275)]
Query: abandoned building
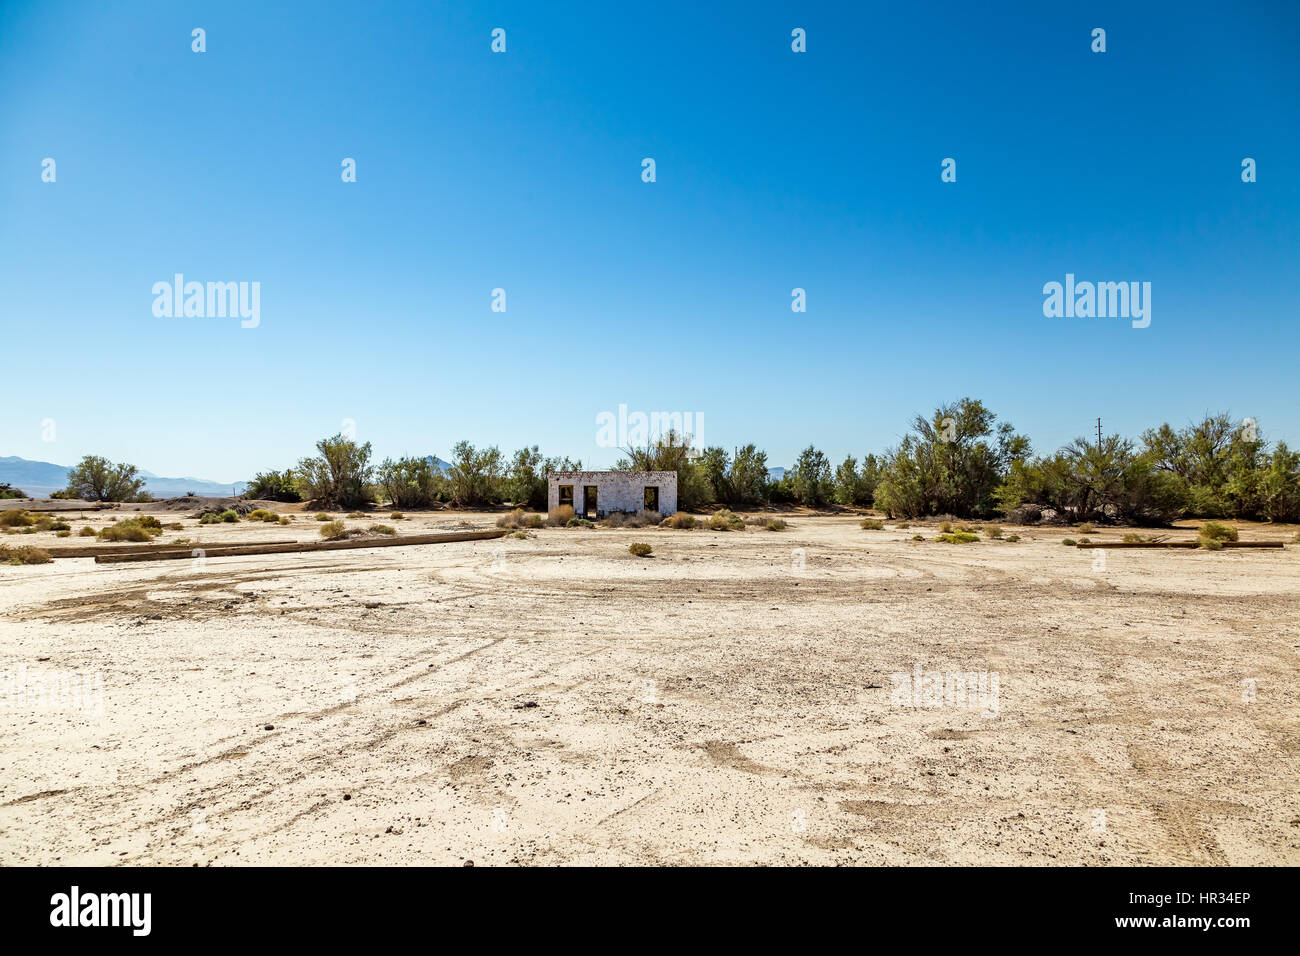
[(594, 494)]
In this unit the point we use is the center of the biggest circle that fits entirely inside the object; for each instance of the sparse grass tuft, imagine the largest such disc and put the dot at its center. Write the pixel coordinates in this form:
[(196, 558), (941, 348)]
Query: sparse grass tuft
[(16, 518), (23, 555), (87, 532), (681, 520), (993, 531), (725, 520), (383, 529), (560, 517), (125, 531), (1087, 528), (356, 514), (333, 530), (1069, 542), (1013, 538), (322, 516), (396, 516), (871, 524), (640, 549), (775, 524), (579, 523), (945, 527), (1083, 541), (958, 537)]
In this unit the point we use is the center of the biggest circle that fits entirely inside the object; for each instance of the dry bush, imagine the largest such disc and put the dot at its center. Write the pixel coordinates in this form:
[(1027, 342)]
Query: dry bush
[(513, 519), (725, 520), (23, 555), (560, 517), (945, 526), (333, 530), (872, 524), (322, 516), (16, 519), (1068, 542), (993, 531), (383, 529), (640, 549), (396, 516), (681, 521), (125, 531), (1013, 538), (87, 532), (958, 537), (1212, 535), (1087, 528), (356, 514), (259, 514)]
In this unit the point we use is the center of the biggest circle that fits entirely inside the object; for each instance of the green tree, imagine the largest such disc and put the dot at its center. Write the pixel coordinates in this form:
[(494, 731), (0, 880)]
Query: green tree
[(274, 486), (339, 476), (475, 477), (95, 478), (409, 482), (748, 478), (811, 478)]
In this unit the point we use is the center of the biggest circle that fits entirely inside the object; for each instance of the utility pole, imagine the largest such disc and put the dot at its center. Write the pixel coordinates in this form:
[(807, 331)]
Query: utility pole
[(1099, 434)]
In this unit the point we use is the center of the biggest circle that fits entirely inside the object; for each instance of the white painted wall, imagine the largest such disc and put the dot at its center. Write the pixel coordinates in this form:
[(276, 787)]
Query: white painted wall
[(615, 490)]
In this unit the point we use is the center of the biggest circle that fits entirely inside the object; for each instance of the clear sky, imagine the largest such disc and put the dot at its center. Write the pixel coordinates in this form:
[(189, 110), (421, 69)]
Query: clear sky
[(523, 171)]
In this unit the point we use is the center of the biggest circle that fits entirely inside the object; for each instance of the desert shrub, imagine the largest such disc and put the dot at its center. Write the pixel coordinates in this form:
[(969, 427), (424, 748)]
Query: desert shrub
[(993, 531), (9, 491), (322, 517), (775, 524), (871, 524), (615, 519), (1087, 528), (16, 519), (87, 532), (1069, 542), (725, 520), (23, 555), (958, 537), (396, 516), (59, 526), (1013, 538), (522, 535), (514, 519), (918, 537), (1133, 537), (174, 526), (967, 529), (333, 530), (534, 521), (229, 516), (579, 523), (644, 519), (209, 518), (1083, 541), (1212, 535), (356, 514), (903, 525), (274, 486), (945, 526), (65, 533), (259, 514), (681, 521), (640, 549), (125, 531), (284, 519), (560, 517), (383, 529), (149, 523)]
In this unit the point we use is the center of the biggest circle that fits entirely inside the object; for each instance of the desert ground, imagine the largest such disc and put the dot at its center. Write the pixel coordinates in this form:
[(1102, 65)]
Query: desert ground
[(731, 699)]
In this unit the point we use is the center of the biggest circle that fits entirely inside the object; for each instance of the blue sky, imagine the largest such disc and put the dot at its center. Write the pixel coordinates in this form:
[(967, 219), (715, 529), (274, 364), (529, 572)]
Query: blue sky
[(522, 171)]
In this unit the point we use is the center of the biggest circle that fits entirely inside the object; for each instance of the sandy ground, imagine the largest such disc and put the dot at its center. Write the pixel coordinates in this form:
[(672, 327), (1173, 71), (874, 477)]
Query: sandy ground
[(557, 701)]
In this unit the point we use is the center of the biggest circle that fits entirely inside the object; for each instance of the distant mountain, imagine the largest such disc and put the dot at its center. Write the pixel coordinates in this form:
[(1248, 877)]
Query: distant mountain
[(438, 463), (775, 474), (42, 478)]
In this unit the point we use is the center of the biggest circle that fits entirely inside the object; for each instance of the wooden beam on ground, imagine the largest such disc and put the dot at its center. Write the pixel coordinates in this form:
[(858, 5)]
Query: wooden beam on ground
[(1174, 544), (135, 547), (348, 545)]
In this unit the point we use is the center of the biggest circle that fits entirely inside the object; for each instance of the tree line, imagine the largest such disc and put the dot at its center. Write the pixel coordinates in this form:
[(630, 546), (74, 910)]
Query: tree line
[(960, 461)]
